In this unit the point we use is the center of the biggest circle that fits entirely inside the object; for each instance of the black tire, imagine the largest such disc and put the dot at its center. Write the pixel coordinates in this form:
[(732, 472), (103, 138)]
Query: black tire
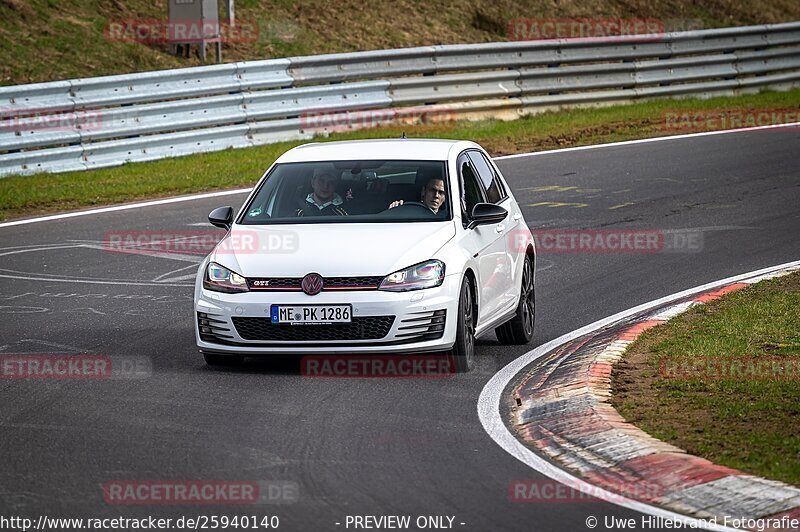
[(223, 360), (519, 329), (464, 349)]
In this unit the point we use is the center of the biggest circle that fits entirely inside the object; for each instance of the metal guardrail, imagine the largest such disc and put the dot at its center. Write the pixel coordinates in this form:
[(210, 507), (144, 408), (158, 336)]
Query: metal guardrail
[(106, 121)]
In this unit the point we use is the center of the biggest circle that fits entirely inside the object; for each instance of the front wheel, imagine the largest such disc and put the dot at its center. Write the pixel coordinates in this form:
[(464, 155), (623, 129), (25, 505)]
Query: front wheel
[(519, 329), (464, 348)]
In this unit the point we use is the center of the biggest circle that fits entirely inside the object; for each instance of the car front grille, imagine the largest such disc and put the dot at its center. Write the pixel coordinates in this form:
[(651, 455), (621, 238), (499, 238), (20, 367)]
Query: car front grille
[(292, 284), (345, 283), (361, 328), (213, 328)]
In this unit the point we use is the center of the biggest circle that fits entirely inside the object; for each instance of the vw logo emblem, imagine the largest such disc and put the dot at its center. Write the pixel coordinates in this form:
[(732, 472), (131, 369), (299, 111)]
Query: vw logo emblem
[(312, 284)]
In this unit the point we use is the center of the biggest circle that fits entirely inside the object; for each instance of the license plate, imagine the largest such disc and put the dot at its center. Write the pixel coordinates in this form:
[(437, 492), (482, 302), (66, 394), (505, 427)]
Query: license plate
[(311, 314)]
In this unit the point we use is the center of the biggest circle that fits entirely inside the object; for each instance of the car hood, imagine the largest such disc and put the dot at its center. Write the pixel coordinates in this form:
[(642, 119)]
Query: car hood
[(343, 249)]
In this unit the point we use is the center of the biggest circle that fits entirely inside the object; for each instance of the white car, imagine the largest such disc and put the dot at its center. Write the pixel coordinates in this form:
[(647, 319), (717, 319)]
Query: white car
[(369, 247)]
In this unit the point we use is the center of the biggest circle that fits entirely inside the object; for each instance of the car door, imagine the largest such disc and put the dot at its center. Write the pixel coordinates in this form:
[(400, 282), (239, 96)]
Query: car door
[(496, 193), (486, 243)]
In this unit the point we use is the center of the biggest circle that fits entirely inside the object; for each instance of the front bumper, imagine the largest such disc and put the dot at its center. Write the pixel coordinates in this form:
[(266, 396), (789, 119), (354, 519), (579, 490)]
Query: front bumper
[(406, 334)]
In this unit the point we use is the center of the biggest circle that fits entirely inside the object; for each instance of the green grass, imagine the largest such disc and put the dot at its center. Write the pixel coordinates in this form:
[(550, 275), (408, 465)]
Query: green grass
[(44, 193), (746, 423), (44, 40)]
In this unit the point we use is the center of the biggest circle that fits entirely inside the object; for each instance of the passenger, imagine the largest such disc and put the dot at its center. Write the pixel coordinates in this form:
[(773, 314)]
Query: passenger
[(432, 195), (323, 199)]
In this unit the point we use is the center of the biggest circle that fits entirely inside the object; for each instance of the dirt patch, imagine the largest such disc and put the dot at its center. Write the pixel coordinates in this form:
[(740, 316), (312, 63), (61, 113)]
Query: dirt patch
[(508, 145)]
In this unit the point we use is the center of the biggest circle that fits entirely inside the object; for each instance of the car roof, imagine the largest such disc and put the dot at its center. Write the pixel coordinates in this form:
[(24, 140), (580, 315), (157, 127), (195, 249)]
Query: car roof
[(397, 149)]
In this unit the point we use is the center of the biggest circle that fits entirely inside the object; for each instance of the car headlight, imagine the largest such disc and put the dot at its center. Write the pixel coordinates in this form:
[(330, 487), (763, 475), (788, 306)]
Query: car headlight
[(221, 279), (428, 274)]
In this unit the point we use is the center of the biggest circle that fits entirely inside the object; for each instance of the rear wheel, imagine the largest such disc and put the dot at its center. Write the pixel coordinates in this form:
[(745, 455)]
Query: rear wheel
[(464, 348), (519, 330), (223, 360)]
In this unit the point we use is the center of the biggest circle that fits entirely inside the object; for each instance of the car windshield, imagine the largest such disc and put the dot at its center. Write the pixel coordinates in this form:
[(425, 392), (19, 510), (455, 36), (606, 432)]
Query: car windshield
[(351, 191)]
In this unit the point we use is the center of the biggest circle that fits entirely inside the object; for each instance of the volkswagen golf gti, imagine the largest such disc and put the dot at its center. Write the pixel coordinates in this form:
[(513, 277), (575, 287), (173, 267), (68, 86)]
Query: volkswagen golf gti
[(366, 248)]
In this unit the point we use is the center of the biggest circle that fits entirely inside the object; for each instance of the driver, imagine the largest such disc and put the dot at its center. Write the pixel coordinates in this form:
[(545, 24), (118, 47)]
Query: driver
[(323, 199), (432, 195)]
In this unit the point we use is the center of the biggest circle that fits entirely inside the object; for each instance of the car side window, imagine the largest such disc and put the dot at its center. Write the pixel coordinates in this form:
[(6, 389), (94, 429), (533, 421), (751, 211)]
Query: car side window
[(489, 178), (472, 193), (497, 179)]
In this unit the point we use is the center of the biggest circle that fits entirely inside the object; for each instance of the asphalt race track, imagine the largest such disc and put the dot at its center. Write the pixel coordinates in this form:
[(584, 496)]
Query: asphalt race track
[(352, 446)]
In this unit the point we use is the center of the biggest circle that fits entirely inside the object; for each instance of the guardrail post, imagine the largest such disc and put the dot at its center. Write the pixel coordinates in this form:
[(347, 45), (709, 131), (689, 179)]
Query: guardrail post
[(231, 18)]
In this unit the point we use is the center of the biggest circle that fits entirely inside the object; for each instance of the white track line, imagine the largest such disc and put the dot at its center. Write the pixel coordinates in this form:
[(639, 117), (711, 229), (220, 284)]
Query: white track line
[(126, 207), (492, 395), (651, 139), (245, 190)]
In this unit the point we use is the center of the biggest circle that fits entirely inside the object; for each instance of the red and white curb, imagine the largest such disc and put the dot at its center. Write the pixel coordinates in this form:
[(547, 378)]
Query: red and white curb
[(560, 408)]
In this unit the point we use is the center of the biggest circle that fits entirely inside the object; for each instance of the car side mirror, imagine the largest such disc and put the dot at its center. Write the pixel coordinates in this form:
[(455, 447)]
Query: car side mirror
[(487, 213), (221, 217)]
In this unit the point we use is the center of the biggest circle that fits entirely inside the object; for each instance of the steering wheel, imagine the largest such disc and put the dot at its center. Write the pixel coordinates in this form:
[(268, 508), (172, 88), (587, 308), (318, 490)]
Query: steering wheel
[(412, 205)]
